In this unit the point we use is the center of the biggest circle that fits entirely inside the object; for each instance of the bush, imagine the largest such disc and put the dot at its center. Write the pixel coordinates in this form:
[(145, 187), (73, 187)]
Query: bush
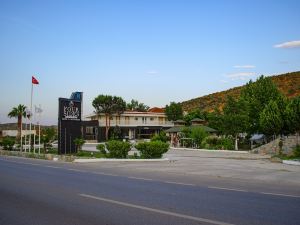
[(226, 143), (79, 142), (213, 142), (101, 148), (118, 149), (153, 149), (297, 151), (8, 143), (160, 137)]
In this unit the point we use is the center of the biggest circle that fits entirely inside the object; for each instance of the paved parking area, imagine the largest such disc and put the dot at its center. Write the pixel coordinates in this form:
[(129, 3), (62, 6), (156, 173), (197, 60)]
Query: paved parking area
[(210, 164)]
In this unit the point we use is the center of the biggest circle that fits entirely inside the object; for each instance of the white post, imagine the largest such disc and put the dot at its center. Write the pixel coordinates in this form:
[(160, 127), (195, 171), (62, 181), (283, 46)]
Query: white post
[(34, 139), (39, 138), (25, 133), (21, 146), (30, 116)]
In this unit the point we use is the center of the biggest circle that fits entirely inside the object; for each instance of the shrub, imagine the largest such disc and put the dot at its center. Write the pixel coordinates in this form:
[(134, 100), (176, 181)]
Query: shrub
[(160, 137), (226, 143), (297, 151), (153, 149), (79, 142), (213, 142), (101, 148), (118, 149), (8, 143)]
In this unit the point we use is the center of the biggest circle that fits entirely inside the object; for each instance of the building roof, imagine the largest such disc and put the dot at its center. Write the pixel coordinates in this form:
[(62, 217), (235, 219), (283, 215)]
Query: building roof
[(197, 120), (156, 110), (179, 129)]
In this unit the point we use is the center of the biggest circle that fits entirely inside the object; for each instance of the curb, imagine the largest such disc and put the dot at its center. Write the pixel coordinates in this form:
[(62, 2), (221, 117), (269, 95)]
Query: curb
[(208, 150), (120, 160), (291, 162)]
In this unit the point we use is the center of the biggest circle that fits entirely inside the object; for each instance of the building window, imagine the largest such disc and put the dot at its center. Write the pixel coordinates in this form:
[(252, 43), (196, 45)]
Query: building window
[(144, 120), (89, 130), (136, 118), (151, 118)]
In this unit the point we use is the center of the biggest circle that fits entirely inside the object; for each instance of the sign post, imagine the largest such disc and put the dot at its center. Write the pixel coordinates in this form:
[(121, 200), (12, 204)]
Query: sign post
[(69, 123)]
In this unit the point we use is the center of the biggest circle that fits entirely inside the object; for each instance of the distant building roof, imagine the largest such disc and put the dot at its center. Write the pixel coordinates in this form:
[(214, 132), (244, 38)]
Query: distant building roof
[(197, 120), (156, 110), (179, 129)]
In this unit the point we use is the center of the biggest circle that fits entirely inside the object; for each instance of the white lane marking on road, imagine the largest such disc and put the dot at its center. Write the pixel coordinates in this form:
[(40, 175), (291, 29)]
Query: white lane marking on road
[(198, 219), (106, 174), (227, 189), (55, 167), (276, 194), (140, 178), (171, 182), (76, 170)]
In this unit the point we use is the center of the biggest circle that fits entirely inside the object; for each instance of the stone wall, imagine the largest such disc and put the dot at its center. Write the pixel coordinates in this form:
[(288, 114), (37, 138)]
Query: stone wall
[(272, 148), (65, 158)]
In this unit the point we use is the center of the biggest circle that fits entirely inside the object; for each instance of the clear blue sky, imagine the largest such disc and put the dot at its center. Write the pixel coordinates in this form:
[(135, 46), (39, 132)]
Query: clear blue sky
[(152, 51)]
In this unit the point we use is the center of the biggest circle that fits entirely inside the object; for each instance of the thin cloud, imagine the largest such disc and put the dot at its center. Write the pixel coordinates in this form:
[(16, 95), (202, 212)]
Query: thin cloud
[(244, 66), (289, 44), (152, 72), (240, 76), (224, 81)]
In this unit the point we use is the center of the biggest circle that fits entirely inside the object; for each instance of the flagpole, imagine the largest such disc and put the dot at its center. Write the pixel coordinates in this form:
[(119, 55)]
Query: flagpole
[(30, 116), (25, 132), (21, 147), (40, 131)]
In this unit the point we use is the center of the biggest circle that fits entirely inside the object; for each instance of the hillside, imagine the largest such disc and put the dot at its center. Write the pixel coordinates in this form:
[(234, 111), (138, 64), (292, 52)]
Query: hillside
[(288, 84)]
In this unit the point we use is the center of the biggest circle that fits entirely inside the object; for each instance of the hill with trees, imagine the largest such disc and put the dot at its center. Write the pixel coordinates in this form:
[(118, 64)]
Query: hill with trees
[(288, 84)]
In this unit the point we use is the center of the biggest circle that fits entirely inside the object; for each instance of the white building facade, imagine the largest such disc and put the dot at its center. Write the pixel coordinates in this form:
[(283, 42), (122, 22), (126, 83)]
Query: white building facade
[(131, 124)]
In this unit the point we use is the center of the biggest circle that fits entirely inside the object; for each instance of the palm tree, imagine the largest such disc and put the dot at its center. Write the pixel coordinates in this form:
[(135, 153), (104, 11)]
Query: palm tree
[(109, 105), (18, 112)]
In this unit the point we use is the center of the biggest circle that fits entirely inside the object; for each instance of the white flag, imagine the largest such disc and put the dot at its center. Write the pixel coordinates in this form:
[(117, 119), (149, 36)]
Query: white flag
[(37, 109)]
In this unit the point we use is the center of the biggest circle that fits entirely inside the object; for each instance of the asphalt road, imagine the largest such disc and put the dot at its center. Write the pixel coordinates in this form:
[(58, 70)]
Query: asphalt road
[(43, 192)]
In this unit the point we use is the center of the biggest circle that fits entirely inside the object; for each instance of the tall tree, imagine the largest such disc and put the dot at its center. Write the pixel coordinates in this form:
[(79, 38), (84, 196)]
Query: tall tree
[(48, 135), (108, 105), (193, 115), (258, 94), (271, 121), (174, 111), (293, 116), (18, 112), (235, 118), (134, 105)]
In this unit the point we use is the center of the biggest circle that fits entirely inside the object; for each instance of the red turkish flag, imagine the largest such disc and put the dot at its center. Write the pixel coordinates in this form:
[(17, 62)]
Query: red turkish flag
[(34, 81)]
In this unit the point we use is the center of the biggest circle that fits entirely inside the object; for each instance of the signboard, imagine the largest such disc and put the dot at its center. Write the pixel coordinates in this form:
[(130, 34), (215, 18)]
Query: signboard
[(69, 123), (70, 110)]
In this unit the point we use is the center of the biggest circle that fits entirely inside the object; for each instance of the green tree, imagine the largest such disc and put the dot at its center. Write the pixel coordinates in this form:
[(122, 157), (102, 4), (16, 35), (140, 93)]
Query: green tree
[(258, 94), (293, 116), (198, 134), (235, 118), (270, 119), (18, 112), (174, 111), (48, 135), (134, 105), (215, 120), (108, 105), (79, 142), (193, 115)]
